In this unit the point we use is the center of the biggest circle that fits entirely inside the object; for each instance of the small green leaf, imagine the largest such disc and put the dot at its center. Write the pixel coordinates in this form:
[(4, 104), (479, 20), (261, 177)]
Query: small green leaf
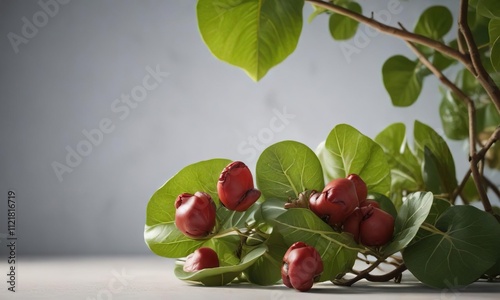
[(425, 136), (454, 117), (487, 117), (254, 35), (222, 275), (442, 61), (463, 245), (434, 22), (489, 8), (342, 27), (347, 151), (406, 172), (267, 269), (469, 192), (401, 80), (231, 219), (160, 233), (271, 209), (338, 250), (494, 32), (288, 168), (411, 215)]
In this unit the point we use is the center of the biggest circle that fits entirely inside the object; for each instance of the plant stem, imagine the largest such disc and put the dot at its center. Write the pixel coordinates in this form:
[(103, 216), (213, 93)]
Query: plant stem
[(386, 277), (359, 275), (492, 186), (460, 188), (390, 30), (477, 67)]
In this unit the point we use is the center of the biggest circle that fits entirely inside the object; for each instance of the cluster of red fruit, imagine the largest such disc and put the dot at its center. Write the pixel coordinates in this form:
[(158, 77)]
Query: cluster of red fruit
[(342, 204)]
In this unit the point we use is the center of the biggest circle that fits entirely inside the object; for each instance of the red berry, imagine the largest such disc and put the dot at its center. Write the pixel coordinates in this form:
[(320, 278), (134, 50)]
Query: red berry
[(195, 214), (235, 187), (302, 265), (201, 258), (337, 201), (360, 185), (370, 203), (376, 227), (351, 224)]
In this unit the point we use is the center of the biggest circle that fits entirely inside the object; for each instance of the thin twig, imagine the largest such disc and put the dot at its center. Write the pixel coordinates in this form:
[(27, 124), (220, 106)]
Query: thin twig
[(478, 69), (460, 187), (492, 186), (386, 277), (390, 30)]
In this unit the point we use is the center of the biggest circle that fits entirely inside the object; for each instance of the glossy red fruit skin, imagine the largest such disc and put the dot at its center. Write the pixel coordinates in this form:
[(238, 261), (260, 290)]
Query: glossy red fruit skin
[(337, 201), (235, 187), (195, 214), (361, 188), (376, 228), (200, 259), (351, 224), (302, 265)]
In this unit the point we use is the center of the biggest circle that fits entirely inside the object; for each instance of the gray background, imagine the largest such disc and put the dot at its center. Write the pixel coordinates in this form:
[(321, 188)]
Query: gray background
[(65, 79)]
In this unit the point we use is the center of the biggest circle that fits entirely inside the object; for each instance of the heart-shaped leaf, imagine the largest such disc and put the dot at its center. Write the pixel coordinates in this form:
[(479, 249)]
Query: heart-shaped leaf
[(254, 35), (288, 168), (402, 80), (461, 247)]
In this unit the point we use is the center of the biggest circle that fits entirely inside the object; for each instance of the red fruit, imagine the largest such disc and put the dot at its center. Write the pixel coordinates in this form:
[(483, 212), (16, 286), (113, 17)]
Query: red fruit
[(376, 228), (370, 203), (195, 214), (370, 226), (235, 187), (201, 258), (337, 201), (302, 265), (360, 185), (351, 224)]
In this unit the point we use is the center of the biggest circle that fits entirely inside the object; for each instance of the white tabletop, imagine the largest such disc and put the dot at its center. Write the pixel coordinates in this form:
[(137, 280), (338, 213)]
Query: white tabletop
[(152, 277)]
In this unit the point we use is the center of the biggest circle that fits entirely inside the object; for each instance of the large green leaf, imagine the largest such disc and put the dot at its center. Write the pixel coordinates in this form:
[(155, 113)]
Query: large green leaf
[(254, 35), (286, 169), (489, 8), (406, 171), (342, 27), (221, 275), (338, 250), (494, 32), (463, 245), (425, 136), (431, 174), (347, 151), (454, 117), (434, 22), (411, 215), (401, 80), (160, 233)]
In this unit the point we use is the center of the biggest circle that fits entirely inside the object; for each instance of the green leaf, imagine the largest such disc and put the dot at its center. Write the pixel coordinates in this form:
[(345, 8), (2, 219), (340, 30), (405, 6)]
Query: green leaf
[(401, 80), (494, 32), (271, 209), (489, 9), (254, 35), (461, 247), (288, 168), (430, 173), (338, 250), (487, 117), (231, 219), (342, 27), (442, 61), (347, 151), (160, 233), (469, 191), (425, 136), (434, 22), (267, 269), (411, 215), (454, 117), (317, 11), (439, 206), (406, 171), (222, 275)]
